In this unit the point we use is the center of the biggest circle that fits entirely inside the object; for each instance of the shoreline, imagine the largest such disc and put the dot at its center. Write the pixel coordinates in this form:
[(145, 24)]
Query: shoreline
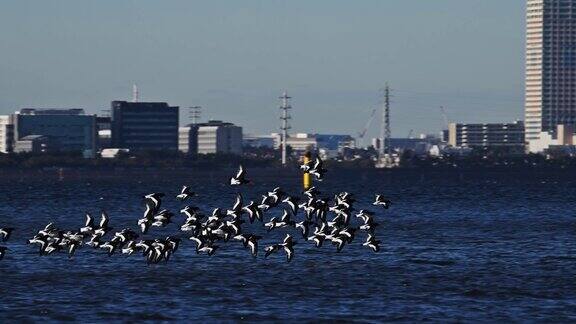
[(364, 174)]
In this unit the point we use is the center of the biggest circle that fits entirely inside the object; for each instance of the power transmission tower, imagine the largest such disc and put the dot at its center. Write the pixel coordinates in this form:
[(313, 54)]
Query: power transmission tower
[(285, 126), (385, 132), (194, 114)]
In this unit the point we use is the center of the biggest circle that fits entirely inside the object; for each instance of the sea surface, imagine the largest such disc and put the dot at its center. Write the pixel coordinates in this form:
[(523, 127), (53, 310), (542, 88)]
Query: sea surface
[(471, 246)]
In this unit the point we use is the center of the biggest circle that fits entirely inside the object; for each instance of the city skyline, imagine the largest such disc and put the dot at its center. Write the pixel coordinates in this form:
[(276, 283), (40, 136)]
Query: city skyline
[(235, 60)]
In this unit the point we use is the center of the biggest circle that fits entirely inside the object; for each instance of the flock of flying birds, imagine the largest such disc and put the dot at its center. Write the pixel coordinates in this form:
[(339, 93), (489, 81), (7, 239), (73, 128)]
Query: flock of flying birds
[(317, 219)]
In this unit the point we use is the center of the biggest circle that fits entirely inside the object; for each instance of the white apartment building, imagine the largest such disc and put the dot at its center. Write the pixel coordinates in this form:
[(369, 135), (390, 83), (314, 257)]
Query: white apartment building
[(6, 133), (217, 137), (550, 66)]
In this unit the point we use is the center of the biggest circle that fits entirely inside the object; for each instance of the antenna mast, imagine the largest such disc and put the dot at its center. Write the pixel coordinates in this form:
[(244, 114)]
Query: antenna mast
[(135, 93), (285, 127), (194, 114)]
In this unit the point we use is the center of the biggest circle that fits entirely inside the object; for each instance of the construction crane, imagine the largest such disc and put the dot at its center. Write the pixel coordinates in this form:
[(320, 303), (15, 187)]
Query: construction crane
[(362, 133), (443, 111)]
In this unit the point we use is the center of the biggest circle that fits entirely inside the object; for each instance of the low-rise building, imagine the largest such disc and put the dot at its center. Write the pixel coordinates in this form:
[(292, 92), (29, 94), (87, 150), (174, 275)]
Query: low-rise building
[(104, 131), (111, 153), (563, 136), (302, 142), (217, 137), (299, 142), (188, 139), (495, 135), (6, 134), (144, 126), (258, 141), (33, 144), (67, 129)]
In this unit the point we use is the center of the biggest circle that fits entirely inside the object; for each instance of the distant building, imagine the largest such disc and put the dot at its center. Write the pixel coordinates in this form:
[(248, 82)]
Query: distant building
[(6, 134), (67, 129), (509, 136), (111, 153), (258, 141), (144, 126), (103, 123), (335, 143), (301, 142), (217, 137), (104, 129), (550, 66), (33, 144), (444, 136), (188, 139), (564, 136), (420, 146)]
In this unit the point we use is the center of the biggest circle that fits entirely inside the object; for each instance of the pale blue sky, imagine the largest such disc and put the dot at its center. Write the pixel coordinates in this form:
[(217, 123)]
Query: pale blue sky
[(235, 57)]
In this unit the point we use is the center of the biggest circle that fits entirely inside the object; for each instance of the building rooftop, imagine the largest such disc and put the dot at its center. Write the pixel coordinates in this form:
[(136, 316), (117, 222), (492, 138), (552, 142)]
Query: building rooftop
[(32, 137), (51, 111), (213, 123)]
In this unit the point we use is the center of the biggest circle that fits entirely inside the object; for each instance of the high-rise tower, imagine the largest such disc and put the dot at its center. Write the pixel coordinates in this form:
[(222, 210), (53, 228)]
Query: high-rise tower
[(550, 66)]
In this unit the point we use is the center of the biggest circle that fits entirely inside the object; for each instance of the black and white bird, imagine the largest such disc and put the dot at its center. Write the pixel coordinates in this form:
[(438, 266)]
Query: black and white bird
[(365, 215), (103, 227), (288, 246), (155, 200), (48, 230), (236, 210), (277, 194), (284, 221), (89, 227), (185, 193), (163, 218), (369, 225), (254, 213), (250, 241), (94, 241), (217, 216), (125, 236), (208, 249), (253, 244), (267, 203), (312, 192), (317, 169), (380, 200), (5, 233), (72, 246), (234, 226), (239, 178), (271, 249), (318, 239), (129, 248), (337, 239), (304, 227), (372, 243), (145, 224), (111, 247), (292, 202)]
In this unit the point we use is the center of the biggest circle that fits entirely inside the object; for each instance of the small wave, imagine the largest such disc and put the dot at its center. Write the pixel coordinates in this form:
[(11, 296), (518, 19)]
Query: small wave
[(442, 263), (475, 293)]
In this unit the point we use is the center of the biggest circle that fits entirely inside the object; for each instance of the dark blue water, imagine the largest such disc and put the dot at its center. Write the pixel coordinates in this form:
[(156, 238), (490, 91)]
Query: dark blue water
[(470, 248)]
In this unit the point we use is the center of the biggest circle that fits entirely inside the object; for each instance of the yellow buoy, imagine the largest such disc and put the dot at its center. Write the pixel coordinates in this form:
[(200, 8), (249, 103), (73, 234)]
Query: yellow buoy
[(306, 179)]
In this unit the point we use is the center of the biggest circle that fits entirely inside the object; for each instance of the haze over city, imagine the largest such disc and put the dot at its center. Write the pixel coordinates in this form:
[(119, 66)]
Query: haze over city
[(235, 58)]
